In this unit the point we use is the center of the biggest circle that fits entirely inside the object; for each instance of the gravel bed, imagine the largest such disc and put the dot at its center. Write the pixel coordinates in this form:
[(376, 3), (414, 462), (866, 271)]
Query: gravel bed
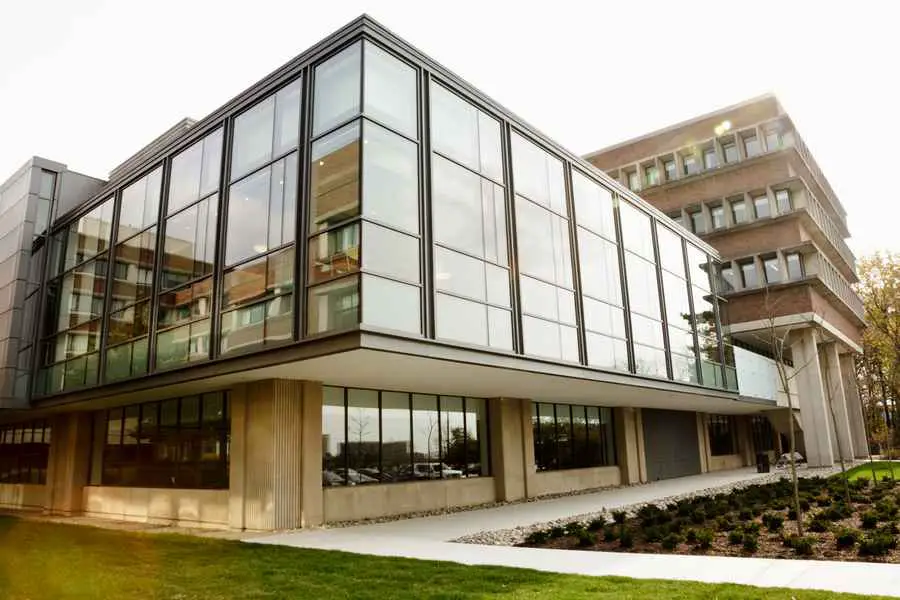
[(517, 535)]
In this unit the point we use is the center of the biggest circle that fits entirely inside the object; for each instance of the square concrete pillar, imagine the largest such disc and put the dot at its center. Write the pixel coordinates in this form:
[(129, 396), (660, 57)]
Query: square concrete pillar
[(814, 413), (627, 446), (275, 475), (69, 462), (834, 393), (512, 446), (703, 442), (854, 407)]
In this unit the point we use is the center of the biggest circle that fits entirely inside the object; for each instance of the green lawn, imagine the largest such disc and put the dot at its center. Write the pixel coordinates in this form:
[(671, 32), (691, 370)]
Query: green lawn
[(882, 468), (51, 561)]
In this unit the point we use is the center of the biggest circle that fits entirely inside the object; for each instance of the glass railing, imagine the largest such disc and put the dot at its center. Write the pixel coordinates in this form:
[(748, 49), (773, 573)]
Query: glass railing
[(758, 374), (826, 224)]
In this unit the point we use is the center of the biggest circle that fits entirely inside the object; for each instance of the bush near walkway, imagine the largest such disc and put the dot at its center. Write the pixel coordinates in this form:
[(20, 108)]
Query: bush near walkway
[(759, 520), (48, 561)]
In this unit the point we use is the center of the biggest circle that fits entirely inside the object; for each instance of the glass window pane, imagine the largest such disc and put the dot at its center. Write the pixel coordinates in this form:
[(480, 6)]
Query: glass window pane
[(426, 437), (593, 206), (671, 255), (636, 230), (698, 265), (460, 320), (337, 92), (642, 286), (247, 224), (538, 175), (604, 318), (390, 90), (564, 438), (772, 269), (81, 294), (133, 280), (499, 328), (761, 204), (212, 165), (396, 441), (460, 274), (333, 306), (189, 246), (649, 361), (457, 207), (258, 279), (678, 309), (465, 134), (252, 145), (139, 206), (606, 352), (539, 298), (257, 325), (391, 305), (334, 176), (681, 341), (363, 439), (490, 145), (130, 323), (391, 178), (334, 442), (739, 212), (185, 304), (497, 285), (87, 237), (599, 264), (334, 254), (543, 243), (549, 339), (794, 266), (454, 462), (390, 253), (188, 343), (287, 118), (647, 331)]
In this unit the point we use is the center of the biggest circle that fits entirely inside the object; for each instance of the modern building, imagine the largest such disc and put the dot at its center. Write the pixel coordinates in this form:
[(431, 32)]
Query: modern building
[(742, 179), (362, 288)]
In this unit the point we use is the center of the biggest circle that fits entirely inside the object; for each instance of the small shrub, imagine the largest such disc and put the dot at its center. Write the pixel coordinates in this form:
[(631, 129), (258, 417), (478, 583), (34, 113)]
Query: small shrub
[(750, 543), (846, 537), (877, 544), (859, 498), (537, 538), (745, 514), (823, 500), (788, 540), (671, 541), (836, 512), (890, 527), (574, 528), (757, 510), (773, 522), (792, 514), (869, 519), (626, 539), (556, 532), (691, 536), (609, 534), (705, 539), (596, 524), (752, 527), (886, 509), (652, 534), (725, 523), (861, 483), (803, 546), (684, 509), (804, 504), (586, 538), (619, 516), (735, 537), (698, 516), (818, 525)]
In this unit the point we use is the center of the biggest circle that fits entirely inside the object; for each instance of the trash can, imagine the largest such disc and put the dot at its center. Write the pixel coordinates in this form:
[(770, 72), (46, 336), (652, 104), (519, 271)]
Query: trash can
[(762, 462)]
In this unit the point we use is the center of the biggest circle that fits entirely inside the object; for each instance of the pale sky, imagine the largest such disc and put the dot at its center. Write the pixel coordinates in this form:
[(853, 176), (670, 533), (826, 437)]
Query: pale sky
[(89, 82)]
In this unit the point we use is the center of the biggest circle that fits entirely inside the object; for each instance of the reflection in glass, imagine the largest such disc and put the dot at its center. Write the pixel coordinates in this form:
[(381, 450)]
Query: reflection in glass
[(185, 304), (195, 172), (86, 237), (636, 234), (333, 306), (390, 90), (337, 89), (126, 360), (599, 267), (593, 206), (363, 445), (139, 207), (391, 305), (465, 134), (262, 278), (649, 361), (267, 130), (671, 256), (129, 323), (334, 442), (334, 254), (642, 286), (133, 275), (257, 325), (188, 343), (334, 175), (606, 352), (190, 242), (390, 253), (391, 178), (538, 175), (81, 294), (426, 435), (543, 243), (549, 340)]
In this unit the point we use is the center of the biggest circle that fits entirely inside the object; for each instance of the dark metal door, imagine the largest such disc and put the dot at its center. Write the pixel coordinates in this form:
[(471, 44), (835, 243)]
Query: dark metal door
[(671, 446)]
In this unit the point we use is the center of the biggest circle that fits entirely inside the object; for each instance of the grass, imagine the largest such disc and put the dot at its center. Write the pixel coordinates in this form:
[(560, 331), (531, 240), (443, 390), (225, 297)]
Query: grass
[(882, 468), (41, 560)]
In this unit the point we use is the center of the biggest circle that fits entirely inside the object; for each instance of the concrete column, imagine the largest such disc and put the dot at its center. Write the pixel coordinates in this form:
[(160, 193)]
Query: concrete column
[(627, 450), (811, 400), (511, 445), (273, 425), (703, 441), (69, 462), (639, 434), (745, 441), (834, 391), (854, 407)]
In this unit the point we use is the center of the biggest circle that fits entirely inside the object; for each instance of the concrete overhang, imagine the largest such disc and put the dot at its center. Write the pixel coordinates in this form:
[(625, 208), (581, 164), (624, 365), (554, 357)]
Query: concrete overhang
[(378, 360)]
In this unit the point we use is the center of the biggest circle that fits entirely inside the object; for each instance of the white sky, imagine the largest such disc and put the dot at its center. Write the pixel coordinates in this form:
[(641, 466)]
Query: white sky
[(90, 82)]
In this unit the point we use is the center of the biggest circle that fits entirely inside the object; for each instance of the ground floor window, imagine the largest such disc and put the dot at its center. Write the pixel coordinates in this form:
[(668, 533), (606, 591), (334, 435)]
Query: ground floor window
[(722, 430), (570, 437), (373, 436), (24, 451), (175, 443), (763, 434)]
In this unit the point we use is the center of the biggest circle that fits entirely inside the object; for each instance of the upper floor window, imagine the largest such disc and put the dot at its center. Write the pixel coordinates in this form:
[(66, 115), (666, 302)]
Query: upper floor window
[(729, 149), (728, 278), (669, 168), (710, 160), (651, 175), (773, 139), (783, 200), (751, 145), (794, 266), (634, 183), (761, 205), (676, 216), (772, 269), (749, 277), (739, 212), (691, 165), (698, 224), (717, 214)]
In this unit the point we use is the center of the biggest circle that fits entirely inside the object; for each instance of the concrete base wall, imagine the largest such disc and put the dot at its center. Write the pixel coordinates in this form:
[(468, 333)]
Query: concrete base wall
[(724, 462), (22, 495), (192, 508), (570, 480), (371, 501)]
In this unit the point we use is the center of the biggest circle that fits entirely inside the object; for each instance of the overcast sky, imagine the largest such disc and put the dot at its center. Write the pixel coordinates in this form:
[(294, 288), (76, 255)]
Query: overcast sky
[(89, 82)]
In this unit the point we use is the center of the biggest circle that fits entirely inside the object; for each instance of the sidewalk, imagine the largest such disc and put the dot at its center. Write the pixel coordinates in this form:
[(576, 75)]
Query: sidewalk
[(428, 538)]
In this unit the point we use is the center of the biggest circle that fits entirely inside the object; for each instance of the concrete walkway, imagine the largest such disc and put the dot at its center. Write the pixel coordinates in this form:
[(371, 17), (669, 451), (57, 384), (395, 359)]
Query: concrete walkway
[(428, 538)]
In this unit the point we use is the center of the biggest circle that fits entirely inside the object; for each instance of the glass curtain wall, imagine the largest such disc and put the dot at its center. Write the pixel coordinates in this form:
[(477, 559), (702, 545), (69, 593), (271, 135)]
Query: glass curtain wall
[(601, 285), (471, 259), (679, 317), (75, 301), (24, 452), (371, 436), (571, 436), (643, 292), (258, 283), (364, 226), (546, 285), (706, 321), (127, 333)]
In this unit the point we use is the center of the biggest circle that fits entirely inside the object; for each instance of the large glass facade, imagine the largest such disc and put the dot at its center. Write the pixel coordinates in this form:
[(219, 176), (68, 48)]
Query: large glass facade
[(570, 436), (371, 436), (24, 452), (679, 316), (706, 318)]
